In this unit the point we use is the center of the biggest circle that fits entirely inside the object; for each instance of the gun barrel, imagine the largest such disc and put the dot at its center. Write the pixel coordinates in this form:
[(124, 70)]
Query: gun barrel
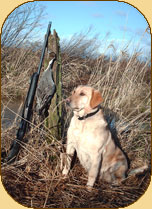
[(44, 47)]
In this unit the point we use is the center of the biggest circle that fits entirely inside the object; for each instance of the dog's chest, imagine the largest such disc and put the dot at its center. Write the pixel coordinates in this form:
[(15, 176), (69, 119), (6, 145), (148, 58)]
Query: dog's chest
[(81, 131), (84, 142)]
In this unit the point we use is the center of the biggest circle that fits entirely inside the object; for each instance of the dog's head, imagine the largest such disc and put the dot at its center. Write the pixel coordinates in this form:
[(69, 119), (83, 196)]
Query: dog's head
[(84, 99)]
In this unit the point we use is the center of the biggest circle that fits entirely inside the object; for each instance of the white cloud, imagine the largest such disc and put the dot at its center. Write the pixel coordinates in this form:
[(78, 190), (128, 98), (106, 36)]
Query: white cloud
[(121, 13), (97, 15)]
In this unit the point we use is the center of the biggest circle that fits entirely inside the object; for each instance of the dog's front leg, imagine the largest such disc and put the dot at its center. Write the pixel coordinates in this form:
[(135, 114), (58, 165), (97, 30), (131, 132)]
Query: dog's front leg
[(93, 171), (69, 155)]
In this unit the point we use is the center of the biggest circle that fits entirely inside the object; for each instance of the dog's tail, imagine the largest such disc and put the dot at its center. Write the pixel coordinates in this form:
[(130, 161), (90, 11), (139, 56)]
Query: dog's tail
[(139, 170)]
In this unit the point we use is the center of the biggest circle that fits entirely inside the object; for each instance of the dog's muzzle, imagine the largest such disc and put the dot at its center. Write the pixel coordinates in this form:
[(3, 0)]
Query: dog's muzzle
[(69, 103)]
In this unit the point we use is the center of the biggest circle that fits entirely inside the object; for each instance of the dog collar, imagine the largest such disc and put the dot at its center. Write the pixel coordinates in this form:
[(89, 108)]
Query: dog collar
[(89, 115)]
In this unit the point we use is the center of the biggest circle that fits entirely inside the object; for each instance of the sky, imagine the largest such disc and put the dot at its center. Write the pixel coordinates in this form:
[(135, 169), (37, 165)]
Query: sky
[(120, 20)]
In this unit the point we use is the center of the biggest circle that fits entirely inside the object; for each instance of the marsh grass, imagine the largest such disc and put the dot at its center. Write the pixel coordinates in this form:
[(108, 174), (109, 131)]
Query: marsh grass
[(17, 66), (35, 179)]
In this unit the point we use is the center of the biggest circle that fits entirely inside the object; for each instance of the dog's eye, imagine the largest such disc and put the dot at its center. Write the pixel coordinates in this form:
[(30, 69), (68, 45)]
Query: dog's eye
[(82, 94)]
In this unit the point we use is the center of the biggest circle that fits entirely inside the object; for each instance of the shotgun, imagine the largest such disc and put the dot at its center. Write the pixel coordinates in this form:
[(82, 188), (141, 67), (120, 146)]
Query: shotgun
[(28, 105)]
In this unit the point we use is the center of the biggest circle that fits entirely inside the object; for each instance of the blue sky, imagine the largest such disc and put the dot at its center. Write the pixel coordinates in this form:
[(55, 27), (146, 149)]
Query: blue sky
[(122, 21)]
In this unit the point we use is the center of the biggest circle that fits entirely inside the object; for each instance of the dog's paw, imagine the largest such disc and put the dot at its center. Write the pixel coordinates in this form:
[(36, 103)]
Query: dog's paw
[(65, 172), (62, 160), (89, 188)]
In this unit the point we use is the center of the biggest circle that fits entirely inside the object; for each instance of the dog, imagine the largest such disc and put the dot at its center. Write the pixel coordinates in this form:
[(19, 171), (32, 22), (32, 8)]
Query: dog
[(89, 135)]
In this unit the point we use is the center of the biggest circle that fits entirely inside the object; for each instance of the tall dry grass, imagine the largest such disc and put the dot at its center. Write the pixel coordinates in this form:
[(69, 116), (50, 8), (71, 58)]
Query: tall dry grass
[(17, 66), (35, 179)]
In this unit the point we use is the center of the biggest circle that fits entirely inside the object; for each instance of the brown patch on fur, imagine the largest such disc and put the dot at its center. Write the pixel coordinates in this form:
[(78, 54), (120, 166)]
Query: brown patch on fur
[(120, 173), (116, 156)]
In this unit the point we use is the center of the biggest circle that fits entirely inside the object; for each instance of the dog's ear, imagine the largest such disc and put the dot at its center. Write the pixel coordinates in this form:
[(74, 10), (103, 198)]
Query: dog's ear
[(96, 99)]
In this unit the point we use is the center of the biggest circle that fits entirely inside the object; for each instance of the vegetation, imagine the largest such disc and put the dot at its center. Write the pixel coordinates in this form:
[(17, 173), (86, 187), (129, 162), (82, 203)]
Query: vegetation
[(35, 179)]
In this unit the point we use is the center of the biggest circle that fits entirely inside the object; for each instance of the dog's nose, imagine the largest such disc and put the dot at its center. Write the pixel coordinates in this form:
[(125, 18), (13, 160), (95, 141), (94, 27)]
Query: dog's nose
[(68, 101)]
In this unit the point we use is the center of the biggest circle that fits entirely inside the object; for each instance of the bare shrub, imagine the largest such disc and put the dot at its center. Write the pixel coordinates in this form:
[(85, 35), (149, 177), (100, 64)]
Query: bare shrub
[(19, 56), (21, 25), (81, 45)]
